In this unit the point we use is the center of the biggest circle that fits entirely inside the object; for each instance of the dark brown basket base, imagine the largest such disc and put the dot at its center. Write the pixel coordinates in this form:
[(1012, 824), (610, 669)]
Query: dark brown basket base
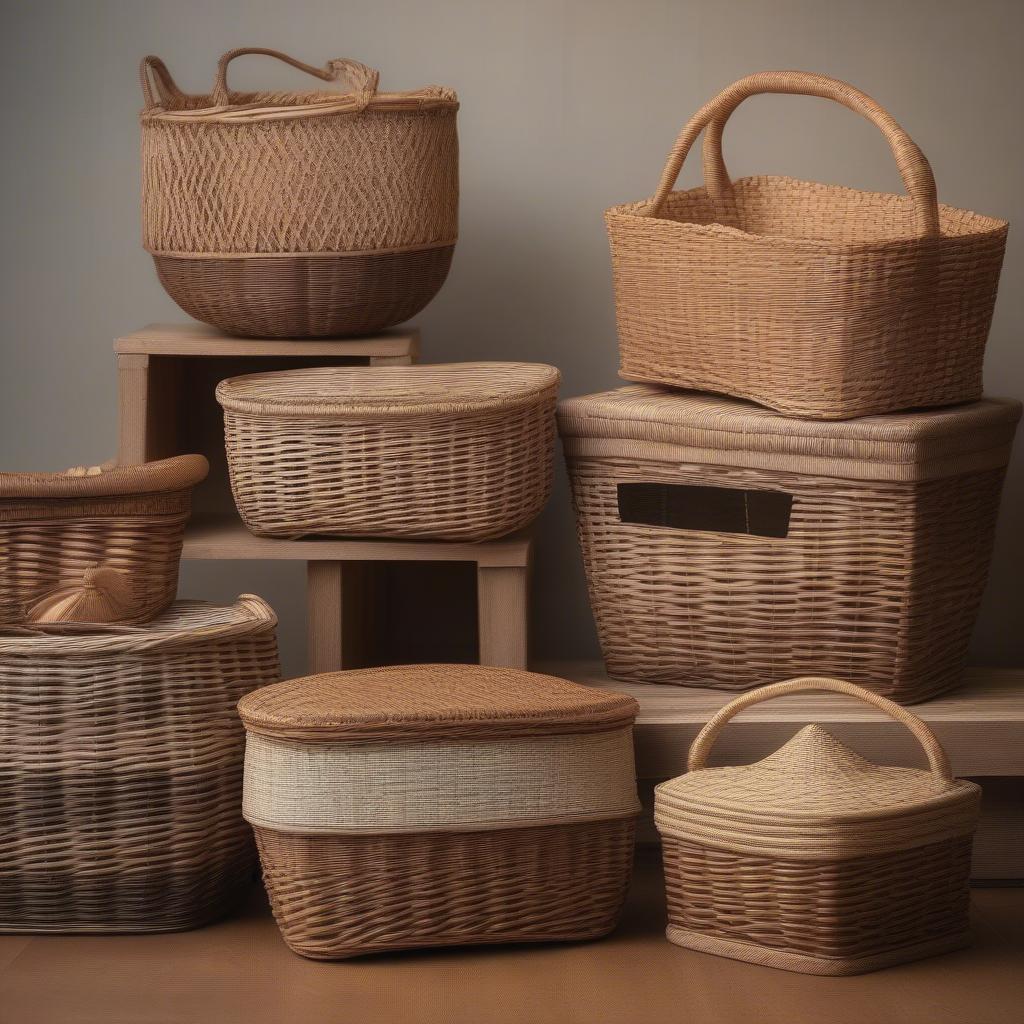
[(297, 296), (151, 901), (828, 918), (342, 896)]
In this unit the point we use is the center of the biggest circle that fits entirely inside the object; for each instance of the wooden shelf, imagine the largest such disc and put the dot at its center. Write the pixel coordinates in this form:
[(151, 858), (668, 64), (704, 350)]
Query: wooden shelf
[(229, 539), (980, 725), (197, 340)]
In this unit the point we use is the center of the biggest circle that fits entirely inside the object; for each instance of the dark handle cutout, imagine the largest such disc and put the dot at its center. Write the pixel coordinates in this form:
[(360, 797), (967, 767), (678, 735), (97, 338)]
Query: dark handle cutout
[(709, 509)]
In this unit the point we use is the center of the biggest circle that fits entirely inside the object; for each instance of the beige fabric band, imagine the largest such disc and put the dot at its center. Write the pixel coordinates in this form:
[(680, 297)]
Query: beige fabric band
[(346, 788)]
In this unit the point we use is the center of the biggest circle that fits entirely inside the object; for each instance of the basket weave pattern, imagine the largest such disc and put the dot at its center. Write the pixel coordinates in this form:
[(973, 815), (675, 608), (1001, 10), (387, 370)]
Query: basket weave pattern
[(877, 582), (430, 805), (341, 896), (54, 527), (121, 782), (302, 462), (815, 300), (814, 859)]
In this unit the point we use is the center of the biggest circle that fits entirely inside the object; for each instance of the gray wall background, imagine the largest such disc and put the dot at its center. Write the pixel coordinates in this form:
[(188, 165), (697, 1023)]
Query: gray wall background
[(567, 108)]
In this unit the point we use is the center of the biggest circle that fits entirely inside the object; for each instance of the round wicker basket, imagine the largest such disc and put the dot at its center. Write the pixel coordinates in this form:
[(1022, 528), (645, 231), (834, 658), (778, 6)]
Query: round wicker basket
[(308, 214)]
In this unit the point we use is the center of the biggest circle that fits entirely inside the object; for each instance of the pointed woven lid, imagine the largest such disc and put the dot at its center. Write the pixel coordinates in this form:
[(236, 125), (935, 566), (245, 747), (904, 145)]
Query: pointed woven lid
[(715, 430), (431, 702), (814, 797), (446, 389)]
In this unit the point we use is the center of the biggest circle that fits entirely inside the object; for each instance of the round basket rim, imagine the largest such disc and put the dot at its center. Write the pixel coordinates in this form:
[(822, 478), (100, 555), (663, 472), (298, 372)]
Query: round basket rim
[(163, 475)]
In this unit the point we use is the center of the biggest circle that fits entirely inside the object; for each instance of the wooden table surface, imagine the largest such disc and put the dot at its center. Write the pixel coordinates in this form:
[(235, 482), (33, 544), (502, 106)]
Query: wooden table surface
[(239, 972)]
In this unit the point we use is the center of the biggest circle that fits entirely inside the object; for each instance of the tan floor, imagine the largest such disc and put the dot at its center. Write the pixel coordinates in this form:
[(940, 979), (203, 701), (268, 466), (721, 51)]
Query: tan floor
[(239, 972)]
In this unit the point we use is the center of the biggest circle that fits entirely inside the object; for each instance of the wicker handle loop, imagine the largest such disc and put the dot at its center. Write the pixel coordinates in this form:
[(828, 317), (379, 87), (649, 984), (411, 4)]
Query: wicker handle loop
[(362, 79), (701, 748), (913, 166), (157, 85)]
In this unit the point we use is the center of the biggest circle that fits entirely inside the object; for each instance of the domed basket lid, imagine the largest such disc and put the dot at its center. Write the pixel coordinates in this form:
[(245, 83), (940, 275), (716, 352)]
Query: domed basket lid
[(369, 392), (814, 797), (108, 480), (430, 702)]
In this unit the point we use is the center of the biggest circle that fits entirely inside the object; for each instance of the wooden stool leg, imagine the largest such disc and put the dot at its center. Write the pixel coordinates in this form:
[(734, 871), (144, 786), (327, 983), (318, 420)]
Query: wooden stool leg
[(338, 615), (503, 611)]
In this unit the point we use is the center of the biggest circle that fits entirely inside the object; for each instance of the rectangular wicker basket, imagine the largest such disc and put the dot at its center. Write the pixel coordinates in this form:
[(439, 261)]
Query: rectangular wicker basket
[(726, 545), (121, 779), (815, 300), (814, 859), (439, 805), (54, 527)]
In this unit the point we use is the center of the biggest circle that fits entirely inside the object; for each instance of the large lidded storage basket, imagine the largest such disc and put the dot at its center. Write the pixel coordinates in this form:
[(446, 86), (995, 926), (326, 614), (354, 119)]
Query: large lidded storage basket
[(726, 545), (455, 452), (436, 805), (56, 527), (283, 214), (121, 775), (814, 859), (816, 300)]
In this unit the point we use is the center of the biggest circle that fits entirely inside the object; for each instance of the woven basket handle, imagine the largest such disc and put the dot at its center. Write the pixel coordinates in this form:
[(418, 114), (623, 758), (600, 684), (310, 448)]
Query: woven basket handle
[(913, 166), (157, 85), (362, 79), (701, 748)]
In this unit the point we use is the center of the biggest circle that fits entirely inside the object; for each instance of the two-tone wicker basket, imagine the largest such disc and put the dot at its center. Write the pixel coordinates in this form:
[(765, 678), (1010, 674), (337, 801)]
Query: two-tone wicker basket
[(456, 452), (121, 775), (727, 545), (814, 859), (284, 214), (436, 805), (816, 300), (57, 527)]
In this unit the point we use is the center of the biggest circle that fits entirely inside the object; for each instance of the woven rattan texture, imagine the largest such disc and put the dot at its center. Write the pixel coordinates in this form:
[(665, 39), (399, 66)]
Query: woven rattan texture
[(827, 918), (816, 300), (876, 581), (306, 296), (453, 785), (431, 702), (342, 896), (320, 470), (120, 786), (54, 527)]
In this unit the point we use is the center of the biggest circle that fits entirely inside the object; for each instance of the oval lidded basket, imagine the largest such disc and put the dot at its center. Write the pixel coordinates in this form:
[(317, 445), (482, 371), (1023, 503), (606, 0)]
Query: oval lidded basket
[(815, 300), (58, 529), (121, 780), (814, 859), (299, 214), (459, 451), (432, 805)]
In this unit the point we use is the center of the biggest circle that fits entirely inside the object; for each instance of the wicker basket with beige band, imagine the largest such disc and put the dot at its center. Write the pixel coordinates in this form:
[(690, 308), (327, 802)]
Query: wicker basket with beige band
[(437, 805), (299, 214), (814, 859), (96, 545), (816, 300), (121, 775), (728, 546), (459, 451)]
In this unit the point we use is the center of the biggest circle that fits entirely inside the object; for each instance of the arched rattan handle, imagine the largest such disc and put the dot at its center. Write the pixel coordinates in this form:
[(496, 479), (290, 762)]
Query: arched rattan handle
[(701, 748), (913, 166), (157, 85), (362, 79)]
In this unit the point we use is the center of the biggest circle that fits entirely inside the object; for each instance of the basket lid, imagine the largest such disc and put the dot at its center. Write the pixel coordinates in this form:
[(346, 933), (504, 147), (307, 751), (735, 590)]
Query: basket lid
[(713, 429), (815, 797), (184, 624), (173, 474), (428, 702), (389, 391)]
